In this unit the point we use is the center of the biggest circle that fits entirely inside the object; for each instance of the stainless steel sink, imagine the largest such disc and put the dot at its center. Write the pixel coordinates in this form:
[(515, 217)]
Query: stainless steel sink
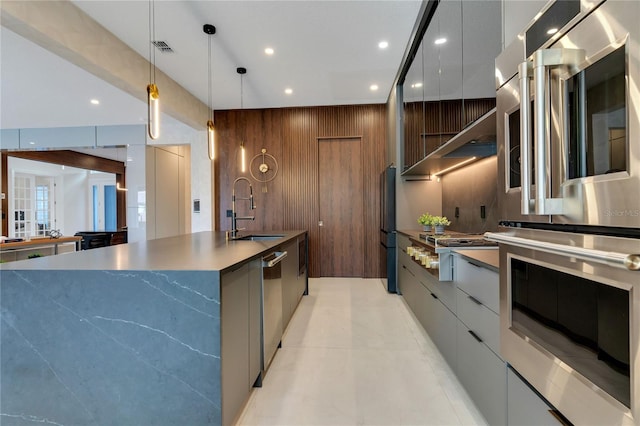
[(259, 237)]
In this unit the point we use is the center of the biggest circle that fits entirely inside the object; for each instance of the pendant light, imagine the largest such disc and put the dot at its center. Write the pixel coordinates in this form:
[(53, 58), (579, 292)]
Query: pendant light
[(153, 95), (210, 30), (243, 158)]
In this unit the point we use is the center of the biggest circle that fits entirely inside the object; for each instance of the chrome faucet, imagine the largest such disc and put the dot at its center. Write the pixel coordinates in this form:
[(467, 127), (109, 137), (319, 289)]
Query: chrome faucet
[(252, 206)]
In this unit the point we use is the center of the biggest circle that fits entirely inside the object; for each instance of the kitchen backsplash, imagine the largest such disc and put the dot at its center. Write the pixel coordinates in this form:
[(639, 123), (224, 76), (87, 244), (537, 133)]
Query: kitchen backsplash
[(469, 189)]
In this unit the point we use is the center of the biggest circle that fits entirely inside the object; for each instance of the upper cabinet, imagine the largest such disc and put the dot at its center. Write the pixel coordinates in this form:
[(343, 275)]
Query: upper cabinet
[(450, 85)]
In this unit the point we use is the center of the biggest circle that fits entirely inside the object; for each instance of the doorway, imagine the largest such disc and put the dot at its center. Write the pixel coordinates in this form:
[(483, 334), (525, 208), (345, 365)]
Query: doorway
[(341, 201)]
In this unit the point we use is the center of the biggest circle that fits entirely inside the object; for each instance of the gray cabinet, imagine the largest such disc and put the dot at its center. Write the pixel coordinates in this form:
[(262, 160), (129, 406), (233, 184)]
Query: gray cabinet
[(480, 368), (255, 322), (524, 406), (290, 286), (240, 325), (429, 302), (442, 327), (483, 375)]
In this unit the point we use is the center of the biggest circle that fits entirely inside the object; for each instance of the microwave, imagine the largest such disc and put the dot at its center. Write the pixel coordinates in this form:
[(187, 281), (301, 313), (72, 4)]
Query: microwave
[(568, 117)]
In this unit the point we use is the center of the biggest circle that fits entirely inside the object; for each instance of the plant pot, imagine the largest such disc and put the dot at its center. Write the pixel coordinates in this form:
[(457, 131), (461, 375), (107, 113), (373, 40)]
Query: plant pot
[(426, 228), (439, 229)]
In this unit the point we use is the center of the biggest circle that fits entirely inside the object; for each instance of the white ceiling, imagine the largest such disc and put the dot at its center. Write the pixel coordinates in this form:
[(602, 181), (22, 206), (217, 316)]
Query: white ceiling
[(326, 51)]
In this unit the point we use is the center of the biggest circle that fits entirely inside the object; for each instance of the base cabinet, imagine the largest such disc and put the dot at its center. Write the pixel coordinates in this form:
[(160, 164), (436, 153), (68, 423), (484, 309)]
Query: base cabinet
[(291, 294), (483, 375), (524, 406), (240, 293)]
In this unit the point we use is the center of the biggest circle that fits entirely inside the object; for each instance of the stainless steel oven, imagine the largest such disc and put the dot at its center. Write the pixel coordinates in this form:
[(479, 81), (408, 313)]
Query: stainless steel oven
[(568, 116), (569, 319), (568, 128)]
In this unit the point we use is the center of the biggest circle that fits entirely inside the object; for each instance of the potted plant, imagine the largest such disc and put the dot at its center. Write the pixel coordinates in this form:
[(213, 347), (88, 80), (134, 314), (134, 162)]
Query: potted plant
[(439, 222), (425, 221)]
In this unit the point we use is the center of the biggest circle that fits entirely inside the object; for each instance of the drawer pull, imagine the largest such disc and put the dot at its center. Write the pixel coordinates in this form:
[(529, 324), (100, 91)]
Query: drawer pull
[(433, 295), (474, 300), (475, 336)]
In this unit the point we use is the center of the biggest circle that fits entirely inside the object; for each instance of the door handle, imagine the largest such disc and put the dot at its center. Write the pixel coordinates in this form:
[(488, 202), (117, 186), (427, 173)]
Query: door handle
[(273, 262), (524, 75), (543, 60)]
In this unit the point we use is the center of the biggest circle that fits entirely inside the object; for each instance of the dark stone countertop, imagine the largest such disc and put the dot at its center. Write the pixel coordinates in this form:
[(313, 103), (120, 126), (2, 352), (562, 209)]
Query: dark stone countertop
[(201, 251)]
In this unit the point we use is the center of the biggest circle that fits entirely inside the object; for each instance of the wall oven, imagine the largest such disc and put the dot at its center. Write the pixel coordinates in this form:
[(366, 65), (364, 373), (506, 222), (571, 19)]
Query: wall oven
[(568, 127), (568, 119)]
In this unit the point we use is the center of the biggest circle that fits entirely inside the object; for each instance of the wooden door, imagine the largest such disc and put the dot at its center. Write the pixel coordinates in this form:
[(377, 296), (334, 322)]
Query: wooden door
[(341, 201)]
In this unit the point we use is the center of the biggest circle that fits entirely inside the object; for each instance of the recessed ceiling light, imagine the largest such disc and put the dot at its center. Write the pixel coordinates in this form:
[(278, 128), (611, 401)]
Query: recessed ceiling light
[(551, 31), (373, 87), (441, 40), (288, 91), (416, 85), (95, 102), (269, 51), (383, 44)]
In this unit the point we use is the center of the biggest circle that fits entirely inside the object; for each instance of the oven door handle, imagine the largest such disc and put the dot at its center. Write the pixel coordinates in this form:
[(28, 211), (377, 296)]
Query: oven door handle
[(618, 260), (524, 75), (543, 60)]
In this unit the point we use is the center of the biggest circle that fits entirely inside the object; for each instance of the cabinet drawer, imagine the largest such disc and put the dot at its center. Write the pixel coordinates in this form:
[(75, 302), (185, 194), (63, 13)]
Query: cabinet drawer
[(445, 290), (403, 241), (479, 282), (481, 320), (525, 407), (483, 375)]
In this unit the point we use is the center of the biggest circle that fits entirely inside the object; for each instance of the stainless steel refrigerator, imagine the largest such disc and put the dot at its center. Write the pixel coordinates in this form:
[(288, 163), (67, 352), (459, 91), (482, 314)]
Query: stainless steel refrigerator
[(388, 226)]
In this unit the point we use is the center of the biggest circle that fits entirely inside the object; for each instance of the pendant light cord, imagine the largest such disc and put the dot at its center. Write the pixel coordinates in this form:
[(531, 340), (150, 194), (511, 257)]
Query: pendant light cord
[(152, 37), (210, 84)]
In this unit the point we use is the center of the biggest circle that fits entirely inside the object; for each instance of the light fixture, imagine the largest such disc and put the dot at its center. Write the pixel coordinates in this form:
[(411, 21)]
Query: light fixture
[(243, 157), (211, 133), (383, 44), (373, 87), (441, 40), (94, 102), (153, 95), (288, 91), (455, 166), (269, 51)]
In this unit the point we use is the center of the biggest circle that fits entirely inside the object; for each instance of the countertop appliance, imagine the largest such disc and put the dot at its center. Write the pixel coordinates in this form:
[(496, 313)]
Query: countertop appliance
[(388, 226), (272, 306), (568, 127)]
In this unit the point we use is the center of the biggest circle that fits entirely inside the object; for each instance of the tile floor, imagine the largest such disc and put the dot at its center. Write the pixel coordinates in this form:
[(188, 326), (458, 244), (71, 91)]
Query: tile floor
[(355, 355)]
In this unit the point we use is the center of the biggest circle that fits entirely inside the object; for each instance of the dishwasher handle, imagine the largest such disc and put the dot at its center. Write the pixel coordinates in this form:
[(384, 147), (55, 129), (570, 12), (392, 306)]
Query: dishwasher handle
[(273, 262)]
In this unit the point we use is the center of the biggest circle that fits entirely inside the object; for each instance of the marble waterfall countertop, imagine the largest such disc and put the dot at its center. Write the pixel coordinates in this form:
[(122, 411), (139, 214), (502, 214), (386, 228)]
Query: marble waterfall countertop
[(124, 335), (201, 251)]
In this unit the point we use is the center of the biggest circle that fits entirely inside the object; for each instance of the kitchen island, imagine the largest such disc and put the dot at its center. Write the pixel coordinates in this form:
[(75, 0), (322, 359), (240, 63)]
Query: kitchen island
[(162, 332)]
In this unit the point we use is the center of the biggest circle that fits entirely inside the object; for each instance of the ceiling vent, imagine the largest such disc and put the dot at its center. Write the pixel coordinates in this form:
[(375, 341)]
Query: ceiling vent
[(162, 46)]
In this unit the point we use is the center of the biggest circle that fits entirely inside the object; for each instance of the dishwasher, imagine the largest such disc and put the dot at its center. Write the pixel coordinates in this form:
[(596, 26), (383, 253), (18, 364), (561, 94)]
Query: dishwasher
[(271, 306)]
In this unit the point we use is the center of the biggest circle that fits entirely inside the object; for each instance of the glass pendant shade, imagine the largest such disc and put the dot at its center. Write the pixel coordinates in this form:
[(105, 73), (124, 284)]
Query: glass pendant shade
[(153, 101), (211, 141), (243, 160)]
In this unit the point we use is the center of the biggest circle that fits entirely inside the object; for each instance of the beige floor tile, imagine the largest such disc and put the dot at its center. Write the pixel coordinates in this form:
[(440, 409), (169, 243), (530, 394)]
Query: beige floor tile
[(353, 354)]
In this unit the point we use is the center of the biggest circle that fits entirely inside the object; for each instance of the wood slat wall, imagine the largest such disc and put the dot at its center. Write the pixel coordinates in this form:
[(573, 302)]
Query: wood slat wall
[(428, 125), (291, 135)]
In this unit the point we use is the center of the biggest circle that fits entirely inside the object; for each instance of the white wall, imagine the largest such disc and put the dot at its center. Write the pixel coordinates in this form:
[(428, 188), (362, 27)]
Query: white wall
[(74, 208)]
